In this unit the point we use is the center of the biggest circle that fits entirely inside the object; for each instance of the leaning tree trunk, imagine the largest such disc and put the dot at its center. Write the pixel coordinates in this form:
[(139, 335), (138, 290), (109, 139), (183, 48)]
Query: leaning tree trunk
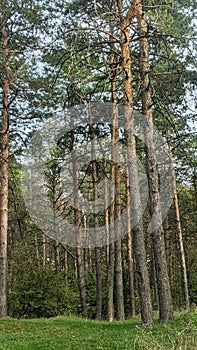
[(179, 230), (164, 293), (4, 171), (136, 210)]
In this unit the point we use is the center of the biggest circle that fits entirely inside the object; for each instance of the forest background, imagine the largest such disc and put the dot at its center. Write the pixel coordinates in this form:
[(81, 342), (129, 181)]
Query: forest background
[(59, 55)]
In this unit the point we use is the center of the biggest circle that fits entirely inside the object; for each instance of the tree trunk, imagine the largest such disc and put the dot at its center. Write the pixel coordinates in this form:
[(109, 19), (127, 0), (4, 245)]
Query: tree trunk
[(164, 293), (44, 250), (56, 246), (129, 244), (4, 171), (65, 263), (167, 238), (136, 211), (179, 230), (98, 259), (99, 296), (110, 265), (79, 251), (119, 281), (117, 228), (54, 196), (110, 284), (111, 249), (37, 253), (154, 280), (117, 177), (106, 206), (81, 279)]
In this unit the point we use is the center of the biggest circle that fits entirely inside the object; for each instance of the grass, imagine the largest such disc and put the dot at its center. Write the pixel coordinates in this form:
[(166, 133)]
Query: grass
[(65, 333)]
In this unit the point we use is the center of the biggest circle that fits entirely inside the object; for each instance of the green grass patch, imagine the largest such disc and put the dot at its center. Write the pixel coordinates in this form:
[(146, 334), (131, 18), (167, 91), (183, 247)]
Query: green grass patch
[(65, 333)]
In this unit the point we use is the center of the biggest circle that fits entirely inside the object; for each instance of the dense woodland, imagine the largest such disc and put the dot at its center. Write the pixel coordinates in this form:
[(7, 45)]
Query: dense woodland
[(59, 58)]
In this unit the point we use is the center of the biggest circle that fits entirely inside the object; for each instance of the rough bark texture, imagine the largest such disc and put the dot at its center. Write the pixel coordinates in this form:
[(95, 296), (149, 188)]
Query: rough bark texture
[(4, 173), (136, 211), (164, 294)]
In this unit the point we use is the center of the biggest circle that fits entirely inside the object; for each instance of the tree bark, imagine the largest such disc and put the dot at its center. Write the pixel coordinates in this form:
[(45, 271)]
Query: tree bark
[(164, 293), (136, 211), (4, 171)]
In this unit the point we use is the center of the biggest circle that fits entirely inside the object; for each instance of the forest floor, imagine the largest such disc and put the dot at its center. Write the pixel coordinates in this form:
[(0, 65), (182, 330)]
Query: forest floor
[(65, 333)]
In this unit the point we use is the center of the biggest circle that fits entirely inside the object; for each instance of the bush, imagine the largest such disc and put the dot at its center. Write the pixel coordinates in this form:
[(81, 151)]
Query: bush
[(39, 292)]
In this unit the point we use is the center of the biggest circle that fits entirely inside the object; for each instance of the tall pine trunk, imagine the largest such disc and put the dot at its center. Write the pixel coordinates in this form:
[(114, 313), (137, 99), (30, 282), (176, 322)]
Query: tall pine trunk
[(117, 228), (4, 171), (136, 210), (110, 265), (111, 250), (164, 293)]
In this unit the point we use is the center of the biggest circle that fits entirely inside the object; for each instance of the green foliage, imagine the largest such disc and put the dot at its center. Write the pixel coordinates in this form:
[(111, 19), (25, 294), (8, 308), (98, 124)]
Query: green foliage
[(193, 287), (91, 294), (36, 291)]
